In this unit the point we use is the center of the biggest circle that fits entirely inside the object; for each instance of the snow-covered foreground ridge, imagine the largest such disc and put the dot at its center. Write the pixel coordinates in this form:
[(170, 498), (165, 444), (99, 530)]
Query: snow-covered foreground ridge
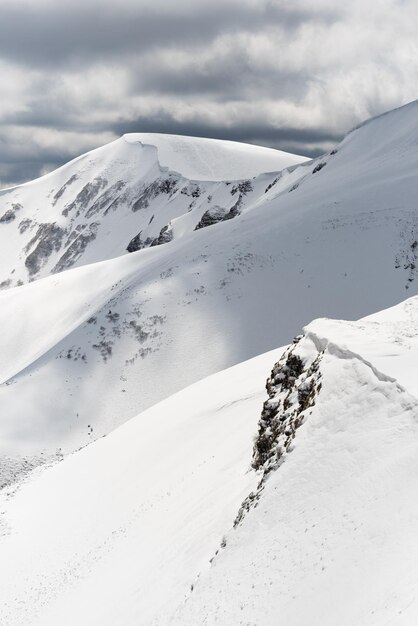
[(242, 266), (138, 528), (332, 537), (117, 532)]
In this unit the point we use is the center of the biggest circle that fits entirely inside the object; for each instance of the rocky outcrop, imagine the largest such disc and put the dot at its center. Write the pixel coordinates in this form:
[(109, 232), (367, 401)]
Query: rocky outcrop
[(166, 186), (10, 214), (292, 389), (165, 236), (319, 167), (137, 243), (77, 247), (85, 196), (218, 214), (62, 189), (48, 238)]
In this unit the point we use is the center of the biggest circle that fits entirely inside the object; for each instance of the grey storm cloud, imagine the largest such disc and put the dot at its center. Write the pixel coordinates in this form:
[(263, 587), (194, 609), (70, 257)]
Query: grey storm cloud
[(250, 133), (68, 33), (295, 76)]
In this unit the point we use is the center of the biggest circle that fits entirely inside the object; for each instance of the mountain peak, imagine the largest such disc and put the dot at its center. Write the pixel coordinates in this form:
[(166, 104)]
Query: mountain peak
[(204, 159)]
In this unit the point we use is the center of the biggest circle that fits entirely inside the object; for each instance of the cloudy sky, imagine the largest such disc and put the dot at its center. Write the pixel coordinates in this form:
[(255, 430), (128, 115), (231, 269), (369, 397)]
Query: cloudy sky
[(289, 74)]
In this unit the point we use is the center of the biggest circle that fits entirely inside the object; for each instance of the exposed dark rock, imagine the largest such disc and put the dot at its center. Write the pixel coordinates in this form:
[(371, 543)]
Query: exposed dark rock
[(219, 214), (211, 216), (85, 196), (24, 225), (107, 200), (60, 191), (274, 182), (243, 187), (192, 189), (161, 186), (408, 255), (77, 247), (48, 239), (292, 389), (137, 243), (165, 236), (7, 217), (318, 167), (10, 214)]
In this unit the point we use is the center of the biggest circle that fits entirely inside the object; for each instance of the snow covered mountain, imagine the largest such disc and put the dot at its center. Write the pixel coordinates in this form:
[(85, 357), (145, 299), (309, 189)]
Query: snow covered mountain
[(139, 191), (138, 528), (86, 349)]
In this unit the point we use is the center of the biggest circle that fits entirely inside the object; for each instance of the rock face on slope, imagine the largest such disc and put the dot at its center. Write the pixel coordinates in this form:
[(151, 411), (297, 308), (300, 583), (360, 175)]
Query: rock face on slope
[(124, 197), (292, 388)]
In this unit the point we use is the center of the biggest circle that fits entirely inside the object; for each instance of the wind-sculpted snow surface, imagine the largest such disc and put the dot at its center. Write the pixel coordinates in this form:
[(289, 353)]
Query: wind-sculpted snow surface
[(84, 350), (329, 537), (203, 159), (117, 532), (138, 528), (126, 196)]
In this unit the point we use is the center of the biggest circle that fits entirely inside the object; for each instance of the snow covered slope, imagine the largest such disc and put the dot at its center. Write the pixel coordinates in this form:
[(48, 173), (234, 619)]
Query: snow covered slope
[(84, 350), (332, 539), (138, 528), (138, 191), (197, 158), (117, 533)]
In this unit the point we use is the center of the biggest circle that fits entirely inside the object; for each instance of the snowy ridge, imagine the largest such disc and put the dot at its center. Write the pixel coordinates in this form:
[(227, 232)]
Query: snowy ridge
[(201, 159), (322, 532), (293, 387), (138, 191), (148, 504), (151, 504), (119, 332)]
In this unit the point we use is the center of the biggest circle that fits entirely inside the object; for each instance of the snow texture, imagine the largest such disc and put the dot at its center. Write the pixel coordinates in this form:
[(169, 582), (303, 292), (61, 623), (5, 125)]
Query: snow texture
[(119, 332), (220, 504), (118, 532), (331, 539)]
